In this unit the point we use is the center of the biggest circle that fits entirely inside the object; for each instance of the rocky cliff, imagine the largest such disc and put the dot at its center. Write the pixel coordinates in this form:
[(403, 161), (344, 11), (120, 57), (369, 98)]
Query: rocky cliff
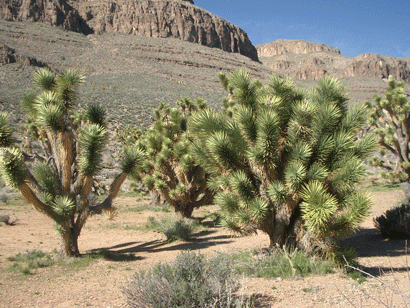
[(310, 61), (373, 65), (54, 12), (153, 18), (280, 47)]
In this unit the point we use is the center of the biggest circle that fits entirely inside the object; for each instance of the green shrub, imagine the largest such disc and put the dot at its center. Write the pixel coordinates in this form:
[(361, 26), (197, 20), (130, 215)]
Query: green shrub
[(179, 230), (33, 259), (281, 264), (359, 277), (173, 229), (395, 223), (190, 281), (152, 224)]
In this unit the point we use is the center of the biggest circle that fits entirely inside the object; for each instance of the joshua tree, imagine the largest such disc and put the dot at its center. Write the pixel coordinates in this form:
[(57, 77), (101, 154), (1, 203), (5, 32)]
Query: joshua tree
[(284, 161), (56, 174), (169, 168), (390, 117)]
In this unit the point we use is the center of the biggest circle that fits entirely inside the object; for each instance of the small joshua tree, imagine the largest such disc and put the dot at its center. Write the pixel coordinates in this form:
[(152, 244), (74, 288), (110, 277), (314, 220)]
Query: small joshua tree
[(390, 117), (57, 178), (169, 168), (284, 161)]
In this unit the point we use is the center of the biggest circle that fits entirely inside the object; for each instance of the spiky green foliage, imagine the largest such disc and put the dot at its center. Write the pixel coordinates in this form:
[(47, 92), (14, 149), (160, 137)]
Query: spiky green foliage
[(169, 168), (96, 114), (6, 138), (128, 135), (44, 79), (58, 179), (12, 168), (285, 161), (133, 158), (63, 206), (390, 118), (92, 140), (48, 181)]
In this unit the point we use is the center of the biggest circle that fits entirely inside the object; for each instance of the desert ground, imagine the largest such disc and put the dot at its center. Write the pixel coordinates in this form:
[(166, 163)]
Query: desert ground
[(99, 283)]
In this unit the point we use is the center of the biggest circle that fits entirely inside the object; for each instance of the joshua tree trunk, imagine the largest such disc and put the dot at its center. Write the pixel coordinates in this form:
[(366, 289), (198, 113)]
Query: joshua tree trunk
[(184, 210), (155, 198), (290, 232), (69, 243), (276, 226)]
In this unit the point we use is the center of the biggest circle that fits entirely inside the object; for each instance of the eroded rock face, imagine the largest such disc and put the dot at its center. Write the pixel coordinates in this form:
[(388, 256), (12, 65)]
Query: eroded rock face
[(53, 12), (154, 18), (8, 55), (373, 65), (280, 47), (304, 60)]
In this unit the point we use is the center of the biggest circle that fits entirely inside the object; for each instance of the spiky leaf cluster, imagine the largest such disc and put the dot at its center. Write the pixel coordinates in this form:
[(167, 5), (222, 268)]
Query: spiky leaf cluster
[(133, 158), (6, 138), (92, 141), (48, 181), (128, 135), (169, 167), (63, 207), (12, 167), (390, 119), (280, 154)]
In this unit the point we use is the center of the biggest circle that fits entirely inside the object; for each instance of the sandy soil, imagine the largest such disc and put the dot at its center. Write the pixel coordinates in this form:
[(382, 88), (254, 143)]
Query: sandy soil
[(99, 284)]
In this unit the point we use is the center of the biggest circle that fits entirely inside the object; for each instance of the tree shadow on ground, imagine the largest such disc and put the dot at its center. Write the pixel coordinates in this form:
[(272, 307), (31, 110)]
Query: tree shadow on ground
[(262, 301), (370, 243), (103, 253), (159, 245)]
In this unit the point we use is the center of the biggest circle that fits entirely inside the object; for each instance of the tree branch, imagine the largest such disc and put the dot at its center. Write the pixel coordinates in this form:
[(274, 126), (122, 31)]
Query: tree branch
[(388, 147), (114, 189), (31, 197)]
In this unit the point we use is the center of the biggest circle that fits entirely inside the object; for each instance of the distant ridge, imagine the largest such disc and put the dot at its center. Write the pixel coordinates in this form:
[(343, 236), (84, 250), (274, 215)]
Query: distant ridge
[(282, 46), (310, 61), (152, 18)]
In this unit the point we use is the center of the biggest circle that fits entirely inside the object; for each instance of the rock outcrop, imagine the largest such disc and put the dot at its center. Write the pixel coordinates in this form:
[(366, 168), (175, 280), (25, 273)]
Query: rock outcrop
[(54, 12), (154, 18), (311, 61), (298, 47), (373, 65), (8, 55)]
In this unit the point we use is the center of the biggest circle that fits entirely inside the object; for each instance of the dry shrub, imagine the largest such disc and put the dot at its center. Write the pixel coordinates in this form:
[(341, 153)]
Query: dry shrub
[(190, 281)]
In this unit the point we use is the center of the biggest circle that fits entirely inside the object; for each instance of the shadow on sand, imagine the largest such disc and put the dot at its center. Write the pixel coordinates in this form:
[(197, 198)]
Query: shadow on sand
[(158, 245), (370, 243)]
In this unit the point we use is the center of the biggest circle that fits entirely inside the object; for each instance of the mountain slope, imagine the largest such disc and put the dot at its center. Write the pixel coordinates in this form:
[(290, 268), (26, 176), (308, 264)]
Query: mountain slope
[(128, 74)]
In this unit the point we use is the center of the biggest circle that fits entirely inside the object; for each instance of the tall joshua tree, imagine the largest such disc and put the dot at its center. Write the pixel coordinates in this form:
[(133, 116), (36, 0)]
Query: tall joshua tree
[(57, 179), (390, 116), (284, 161), (169, 168)]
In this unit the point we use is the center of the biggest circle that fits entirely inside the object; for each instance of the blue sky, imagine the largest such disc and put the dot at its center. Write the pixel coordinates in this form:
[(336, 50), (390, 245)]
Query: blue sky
[(355, 27)]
